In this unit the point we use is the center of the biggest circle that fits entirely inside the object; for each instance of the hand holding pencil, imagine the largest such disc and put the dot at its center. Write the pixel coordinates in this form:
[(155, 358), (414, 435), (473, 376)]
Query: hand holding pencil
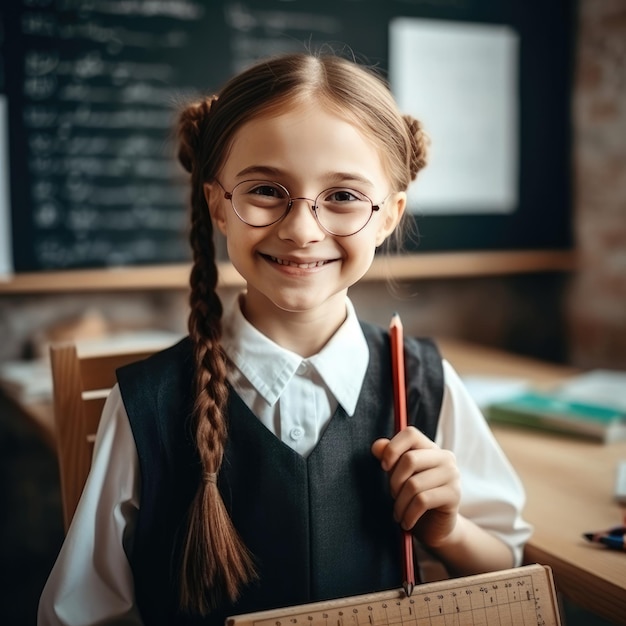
[(424, 479)]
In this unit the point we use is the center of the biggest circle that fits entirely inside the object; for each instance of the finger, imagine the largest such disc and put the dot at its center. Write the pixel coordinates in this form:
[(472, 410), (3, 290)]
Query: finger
[(434, 488), (414, 465), (434, 503), (408, 439), (378, 447)]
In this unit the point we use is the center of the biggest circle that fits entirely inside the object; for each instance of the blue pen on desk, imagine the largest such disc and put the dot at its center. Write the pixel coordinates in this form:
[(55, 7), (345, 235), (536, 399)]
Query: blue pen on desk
[(614, 538)]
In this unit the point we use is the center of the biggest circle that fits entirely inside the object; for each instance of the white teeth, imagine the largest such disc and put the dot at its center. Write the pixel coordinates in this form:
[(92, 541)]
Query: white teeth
[(304, 266)]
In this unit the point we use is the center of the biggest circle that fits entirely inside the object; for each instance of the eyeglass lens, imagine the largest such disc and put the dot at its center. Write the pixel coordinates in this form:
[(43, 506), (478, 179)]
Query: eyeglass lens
[(339, 210)]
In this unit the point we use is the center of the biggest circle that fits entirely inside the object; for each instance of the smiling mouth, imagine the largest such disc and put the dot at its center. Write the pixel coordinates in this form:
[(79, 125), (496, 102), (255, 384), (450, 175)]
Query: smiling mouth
[(303, 266)]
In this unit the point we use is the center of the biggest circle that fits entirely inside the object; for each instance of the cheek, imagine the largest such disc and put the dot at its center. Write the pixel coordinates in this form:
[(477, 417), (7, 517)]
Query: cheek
[(240, 238), (362, 247)]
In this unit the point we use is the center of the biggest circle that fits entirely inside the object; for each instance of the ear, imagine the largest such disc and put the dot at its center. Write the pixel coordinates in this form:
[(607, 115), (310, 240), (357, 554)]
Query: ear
[(216, 207), (393, 212)]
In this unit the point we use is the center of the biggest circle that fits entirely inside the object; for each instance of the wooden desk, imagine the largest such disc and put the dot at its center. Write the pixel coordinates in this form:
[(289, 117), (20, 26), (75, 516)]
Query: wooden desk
[(568, 483), (569, 491), (569, 486)]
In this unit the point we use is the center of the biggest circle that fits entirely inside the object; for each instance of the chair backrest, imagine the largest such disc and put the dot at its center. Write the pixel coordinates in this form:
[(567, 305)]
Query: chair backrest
[(80, 387)]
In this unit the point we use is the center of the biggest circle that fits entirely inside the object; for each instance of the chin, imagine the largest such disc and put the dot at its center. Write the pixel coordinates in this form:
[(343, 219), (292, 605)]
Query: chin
[(302, 303), (294, 307)]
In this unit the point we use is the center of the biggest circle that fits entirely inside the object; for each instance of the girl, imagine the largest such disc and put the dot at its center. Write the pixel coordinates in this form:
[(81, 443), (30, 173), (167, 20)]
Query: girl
[(252, 465)]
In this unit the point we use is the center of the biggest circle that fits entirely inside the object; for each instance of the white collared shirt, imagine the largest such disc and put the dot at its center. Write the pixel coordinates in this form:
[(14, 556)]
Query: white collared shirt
[(91, 581), (294, 397)]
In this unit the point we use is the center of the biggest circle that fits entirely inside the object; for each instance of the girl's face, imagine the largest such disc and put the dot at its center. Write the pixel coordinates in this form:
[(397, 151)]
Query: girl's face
[(294, 267)]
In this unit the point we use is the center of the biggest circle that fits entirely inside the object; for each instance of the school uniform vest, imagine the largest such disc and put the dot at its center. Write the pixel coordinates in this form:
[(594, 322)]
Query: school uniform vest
[(318, 527)]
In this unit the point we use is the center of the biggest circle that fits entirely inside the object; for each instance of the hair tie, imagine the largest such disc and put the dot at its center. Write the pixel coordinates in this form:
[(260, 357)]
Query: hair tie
[(210, 477)]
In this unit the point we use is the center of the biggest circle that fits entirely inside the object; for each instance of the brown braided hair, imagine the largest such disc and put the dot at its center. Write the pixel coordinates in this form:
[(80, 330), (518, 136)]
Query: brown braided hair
[(214, 562)]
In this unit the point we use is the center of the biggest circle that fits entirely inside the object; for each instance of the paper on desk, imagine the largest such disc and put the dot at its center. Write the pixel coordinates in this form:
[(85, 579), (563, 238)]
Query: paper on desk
[(603, 387), (486, 390), (31, 381), (127, 341), (27, 381)]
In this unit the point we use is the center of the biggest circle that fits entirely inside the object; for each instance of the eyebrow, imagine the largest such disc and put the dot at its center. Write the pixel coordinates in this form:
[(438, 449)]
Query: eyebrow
[(259, 170), (273, 172)]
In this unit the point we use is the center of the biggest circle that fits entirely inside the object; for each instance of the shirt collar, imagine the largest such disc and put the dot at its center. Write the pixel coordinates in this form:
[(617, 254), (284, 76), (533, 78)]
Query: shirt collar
[(268, 367)]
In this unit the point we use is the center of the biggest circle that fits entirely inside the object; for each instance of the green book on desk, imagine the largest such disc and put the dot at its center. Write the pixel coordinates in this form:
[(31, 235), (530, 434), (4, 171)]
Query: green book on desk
[(551, 412)]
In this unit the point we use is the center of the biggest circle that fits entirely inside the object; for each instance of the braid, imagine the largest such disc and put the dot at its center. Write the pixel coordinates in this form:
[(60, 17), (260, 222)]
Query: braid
[(420, 143), (215, 563), (191, 131)]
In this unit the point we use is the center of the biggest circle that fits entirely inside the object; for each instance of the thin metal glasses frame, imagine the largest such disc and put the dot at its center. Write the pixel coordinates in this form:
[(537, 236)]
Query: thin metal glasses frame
[(228, 195)]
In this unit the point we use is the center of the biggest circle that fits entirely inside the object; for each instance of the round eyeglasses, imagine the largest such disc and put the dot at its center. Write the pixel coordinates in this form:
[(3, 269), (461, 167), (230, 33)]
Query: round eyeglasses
[(340, 211)]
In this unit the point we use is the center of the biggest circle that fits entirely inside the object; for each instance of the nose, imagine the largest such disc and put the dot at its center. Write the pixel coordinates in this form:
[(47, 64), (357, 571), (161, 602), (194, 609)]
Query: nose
[(300, 223)]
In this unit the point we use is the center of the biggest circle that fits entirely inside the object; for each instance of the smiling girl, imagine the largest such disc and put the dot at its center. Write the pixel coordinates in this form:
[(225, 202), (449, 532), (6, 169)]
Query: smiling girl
[(253, 465)]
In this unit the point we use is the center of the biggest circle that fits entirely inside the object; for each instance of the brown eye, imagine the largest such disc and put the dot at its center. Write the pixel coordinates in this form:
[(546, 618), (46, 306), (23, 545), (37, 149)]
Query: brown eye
[(268, 190)]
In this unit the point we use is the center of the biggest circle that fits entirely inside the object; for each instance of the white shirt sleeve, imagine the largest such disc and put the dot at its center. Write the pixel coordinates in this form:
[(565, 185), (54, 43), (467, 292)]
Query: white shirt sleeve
[(492, 495), (91, 581)]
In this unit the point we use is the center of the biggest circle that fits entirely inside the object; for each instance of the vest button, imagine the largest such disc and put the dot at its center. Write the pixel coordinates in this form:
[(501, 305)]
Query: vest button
[(296, 433)]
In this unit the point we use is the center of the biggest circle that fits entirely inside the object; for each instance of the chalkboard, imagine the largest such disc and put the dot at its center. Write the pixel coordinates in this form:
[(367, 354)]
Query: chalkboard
[(91, 87)]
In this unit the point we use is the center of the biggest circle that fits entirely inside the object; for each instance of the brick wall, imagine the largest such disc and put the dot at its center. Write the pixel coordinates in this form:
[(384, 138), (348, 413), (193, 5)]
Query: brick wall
[(596, 301)]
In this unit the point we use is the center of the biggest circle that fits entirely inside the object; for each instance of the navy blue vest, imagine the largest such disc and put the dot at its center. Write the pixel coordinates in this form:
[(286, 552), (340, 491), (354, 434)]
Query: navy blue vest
[(318, 527)]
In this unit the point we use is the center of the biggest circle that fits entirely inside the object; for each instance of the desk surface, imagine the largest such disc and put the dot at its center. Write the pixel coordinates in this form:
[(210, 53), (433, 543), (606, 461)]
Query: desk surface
[(569, 488), (568, 482)]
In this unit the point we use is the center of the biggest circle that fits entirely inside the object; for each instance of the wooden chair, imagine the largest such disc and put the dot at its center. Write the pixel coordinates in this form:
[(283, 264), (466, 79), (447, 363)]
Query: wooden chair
[(80, 387)]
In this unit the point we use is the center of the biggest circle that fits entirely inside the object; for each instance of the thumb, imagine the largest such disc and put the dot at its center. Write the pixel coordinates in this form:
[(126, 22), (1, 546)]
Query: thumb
[(378, 448)]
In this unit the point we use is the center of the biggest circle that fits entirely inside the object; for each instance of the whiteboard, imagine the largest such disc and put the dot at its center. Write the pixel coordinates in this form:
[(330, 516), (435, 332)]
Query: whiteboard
[(460, 79)]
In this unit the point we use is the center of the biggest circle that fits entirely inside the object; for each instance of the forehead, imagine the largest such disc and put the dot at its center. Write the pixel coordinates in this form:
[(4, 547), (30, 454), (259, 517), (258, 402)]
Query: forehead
[(306, 139)]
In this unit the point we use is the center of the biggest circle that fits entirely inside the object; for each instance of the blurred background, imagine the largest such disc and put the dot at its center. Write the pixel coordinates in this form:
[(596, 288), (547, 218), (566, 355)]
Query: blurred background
[(572, 312)]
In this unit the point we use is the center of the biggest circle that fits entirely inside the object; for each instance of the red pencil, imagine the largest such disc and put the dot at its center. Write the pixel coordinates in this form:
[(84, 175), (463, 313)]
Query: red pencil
[(399, 407)]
